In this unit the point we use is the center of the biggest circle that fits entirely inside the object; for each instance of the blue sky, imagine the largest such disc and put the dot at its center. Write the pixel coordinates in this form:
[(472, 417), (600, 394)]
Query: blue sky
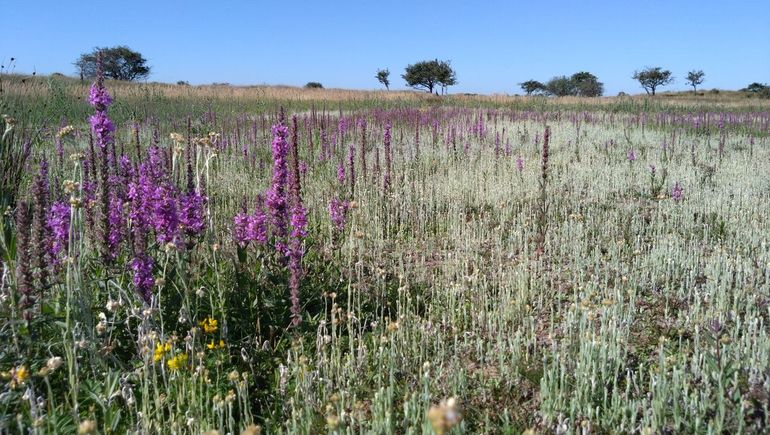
[(493, 45)]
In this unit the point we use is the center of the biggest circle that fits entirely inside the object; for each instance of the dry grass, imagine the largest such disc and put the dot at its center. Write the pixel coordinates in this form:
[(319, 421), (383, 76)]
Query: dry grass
[(39, 86)]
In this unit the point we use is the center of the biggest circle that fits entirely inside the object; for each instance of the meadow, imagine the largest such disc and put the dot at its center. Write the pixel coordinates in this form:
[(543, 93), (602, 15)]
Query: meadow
[(218, 259)]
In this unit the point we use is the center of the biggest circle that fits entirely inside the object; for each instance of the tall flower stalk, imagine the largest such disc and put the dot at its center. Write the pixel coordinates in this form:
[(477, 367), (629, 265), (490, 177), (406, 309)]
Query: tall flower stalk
[(388, 158), (298, 232), (542, 220), (276, 201)]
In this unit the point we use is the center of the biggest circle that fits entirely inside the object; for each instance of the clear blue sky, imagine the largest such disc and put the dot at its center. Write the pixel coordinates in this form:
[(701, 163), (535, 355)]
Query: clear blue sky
[(493, 45)]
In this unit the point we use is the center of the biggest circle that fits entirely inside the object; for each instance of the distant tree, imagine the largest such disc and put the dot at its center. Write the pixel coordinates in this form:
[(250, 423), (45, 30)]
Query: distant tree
[(694, 78), (560, 86), (585, 84), (183, 83), (755, 87), (446, 75), (314, 85), (762, 90), (429, 74), (383, 77), (652, 78), (532, 87), (119, 63)]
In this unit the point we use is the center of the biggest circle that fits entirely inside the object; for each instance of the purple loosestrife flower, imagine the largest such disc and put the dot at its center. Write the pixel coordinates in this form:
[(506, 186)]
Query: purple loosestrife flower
[(338, 211), (298, 221), (631, 155), (166, 218), (143, 280), (191, 209), (341, 173), (140, 193), (115, 224), (102, 128), (100, 100), (653, 170), (677, 192), (240, 225), (276, 202), (98, 97), (519, 164), (256, 230), (59, 222)]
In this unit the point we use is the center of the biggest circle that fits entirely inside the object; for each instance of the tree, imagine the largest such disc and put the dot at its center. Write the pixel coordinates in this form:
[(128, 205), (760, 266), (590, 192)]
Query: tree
[(314, 85), (755, 87), (119, 63), (652, 78), (446, 76), (560, 86), (694, 78), (585, 84), (429, 74), (532, 87), (383, 77), (762, 90)]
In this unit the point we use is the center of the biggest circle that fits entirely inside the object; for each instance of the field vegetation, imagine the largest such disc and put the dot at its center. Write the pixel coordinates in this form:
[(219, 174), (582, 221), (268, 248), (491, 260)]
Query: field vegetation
[(223, 259)]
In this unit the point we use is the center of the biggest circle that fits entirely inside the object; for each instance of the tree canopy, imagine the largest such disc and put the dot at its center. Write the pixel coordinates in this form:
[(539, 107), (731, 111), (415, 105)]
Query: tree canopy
[(580, 84), (119, 63), (532, 87), (383, 77), (428, 75), (652, 78), (586, 84), (694, 78)]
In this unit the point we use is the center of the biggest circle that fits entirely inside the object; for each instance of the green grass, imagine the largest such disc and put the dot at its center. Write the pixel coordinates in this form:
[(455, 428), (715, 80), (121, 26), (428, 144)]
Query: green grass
[(641, 314)]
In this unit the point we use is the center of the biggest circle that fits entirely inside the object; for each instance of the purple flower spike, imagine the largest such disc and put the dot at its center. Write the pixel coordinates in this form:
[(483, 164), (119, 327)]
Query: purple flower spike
[(631, 155), (677, 193)]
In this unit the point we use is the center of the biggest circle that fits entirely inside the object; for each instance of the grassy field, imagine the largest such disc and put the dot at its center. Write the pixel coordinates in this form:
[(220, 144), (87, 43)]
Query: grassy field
[(469, 264)]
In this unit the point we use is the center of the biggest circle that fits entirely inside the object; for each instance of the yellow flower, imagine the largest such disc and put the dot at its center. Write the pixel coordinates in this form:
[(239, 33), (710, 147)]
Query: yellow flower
[(177, 362), (160, 350), (18, 376), (211, 345), (209, 325)]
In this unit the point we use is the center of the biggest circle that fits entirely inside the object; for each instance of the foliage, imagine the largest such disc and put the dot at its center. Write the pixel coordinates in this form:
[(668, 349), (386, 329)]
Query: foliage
[(383, 77), (119, 63), (586, 84), (560, 86), (313, 85), (581, 84), (695, 78), (429, 74), (533, 87), (760, 89), (466, 297), (652, 78)]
